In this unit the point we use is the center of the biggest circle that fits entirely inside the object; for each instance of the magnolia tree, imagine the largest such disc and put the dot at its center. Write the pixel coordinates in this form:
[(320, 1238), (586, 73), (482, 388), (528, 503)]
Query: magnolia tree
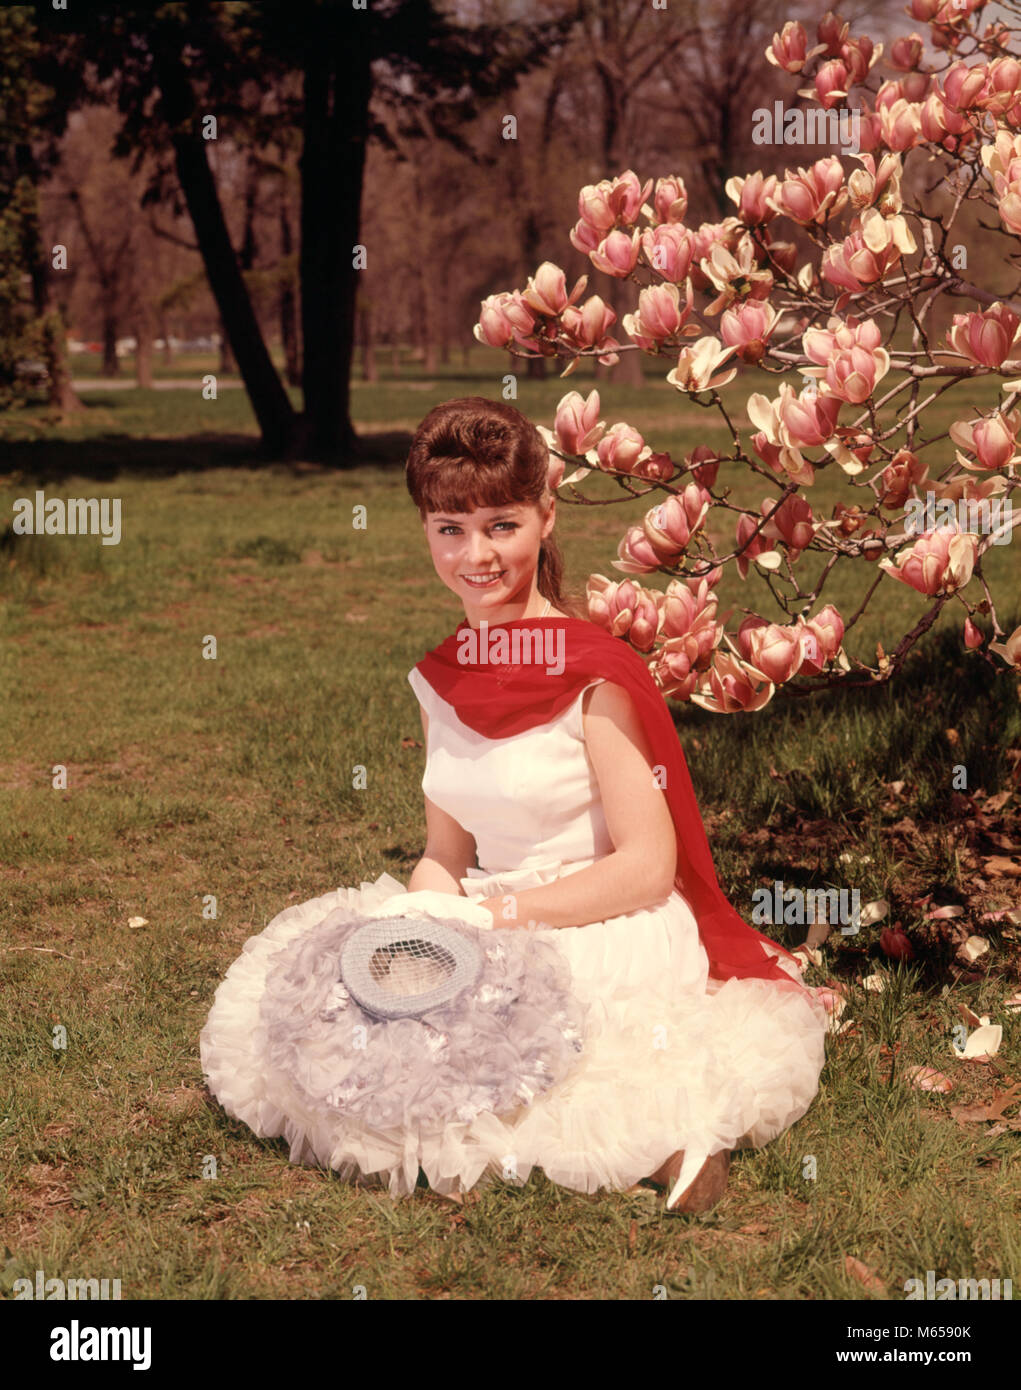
[(921, 513)]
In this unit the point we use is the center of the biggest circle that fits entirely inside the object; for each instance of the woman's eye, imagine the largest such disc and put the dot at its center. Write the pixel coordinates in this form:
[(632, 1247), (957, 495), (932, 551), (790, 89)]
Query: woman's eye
[(512, 524)]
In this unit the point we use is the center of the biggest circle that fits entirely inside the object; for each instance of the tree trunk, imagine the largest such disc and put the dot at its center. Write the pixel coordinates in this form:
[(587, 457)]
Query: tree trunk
[(370, 371), (143, 348), (337, 87), (277, 420), (62, 393), (51, 320), (228, 362), (111, 362), (287, 307)]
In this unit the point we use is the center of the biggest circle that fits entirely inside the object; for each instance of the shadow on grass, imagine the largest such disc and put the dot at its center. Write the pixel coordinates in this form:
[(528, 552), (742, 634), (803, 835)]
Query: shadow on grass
[(833, 753), (107, 457)]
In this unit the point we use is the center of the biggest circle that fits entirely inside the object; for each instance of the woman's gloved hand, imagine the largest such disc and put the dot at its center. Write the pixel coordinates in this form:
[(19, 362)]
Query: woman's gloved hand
[(427, 902)]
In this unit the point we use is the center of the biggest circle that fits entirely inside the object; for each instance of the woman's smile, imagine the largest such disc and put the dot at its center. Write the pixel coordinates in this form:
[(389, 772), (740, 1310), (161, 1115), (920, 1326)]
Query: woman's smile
[(483, 581)]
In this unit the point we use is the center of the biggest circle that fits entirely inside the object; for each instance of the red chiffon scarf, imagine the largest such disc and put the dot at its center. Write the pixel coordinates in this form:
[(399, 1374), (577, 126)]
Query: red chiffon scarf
[(500, 700)]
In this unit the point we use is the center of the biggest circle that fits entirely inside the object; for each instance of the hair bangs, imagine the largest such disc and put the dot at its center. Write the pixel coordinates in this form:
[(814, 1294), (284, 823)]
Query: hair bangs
[(465, 484)]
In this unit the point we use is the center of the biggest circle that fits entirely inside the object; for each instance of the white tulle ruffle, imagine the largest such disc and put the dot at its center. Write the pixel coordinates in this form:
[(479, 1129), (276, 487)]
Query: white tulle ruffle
[(665, 1065)]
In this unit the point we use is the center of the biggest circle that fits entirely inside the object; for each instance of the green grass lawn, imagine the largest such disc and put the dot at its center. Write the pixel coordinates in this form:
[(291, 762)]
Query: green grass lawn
[(233, 777)]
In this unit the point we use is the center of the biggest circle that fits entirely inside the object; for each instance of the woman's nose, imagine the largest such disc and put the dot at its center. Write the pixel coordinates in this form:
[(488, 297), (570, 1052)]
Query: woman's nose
[(480, 547)]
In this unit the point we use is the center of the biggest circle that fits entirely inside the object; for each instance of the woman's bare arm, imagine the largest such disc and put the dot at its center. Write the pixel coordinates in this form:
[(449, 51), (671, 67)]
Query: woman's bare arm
[(449, 849), (641, 869)]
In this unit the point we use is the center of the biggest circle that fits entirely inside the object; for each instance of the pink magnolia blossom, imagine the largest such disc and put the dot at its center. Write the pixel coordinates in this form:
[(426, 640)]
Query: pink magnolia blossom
[(504, 318), (915, 87), (737, 274), (708, 236), (811, 196), (938, 121), (925, 10), (868, 252), (635, 554), (674, 667), (588, 323), (617, 254), (660, 315), (792, 522), (577, 426), (972, 635), (853, 356), (789, 49), (752, 196), (670, 199), (985, 338), (625, 609), (1003, 87), (992, 439), (730, 686), (853, 373), (832, 33), (896, 944), (626, 196), (839, 335), (690, 615), (870, 130), (822, 641), (747, 327), (696, 365), (546, 291), (900, 124), (1009, 207), (671, 250), (1010, 649), (620, 448), (594, 206), (748, 542), (906, 52), (656, 467), (775, 651), (831, 84), (904, 471), (859, 56), (670, 526), (704, 463), (795, 421), (963, 85), (939, 561), (868, 186)]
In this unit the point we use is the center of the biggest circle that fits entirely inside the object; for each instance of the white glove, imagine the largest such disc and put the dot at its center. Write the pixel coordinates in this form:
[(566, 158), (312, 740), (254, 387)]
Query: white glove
[(427, 902)]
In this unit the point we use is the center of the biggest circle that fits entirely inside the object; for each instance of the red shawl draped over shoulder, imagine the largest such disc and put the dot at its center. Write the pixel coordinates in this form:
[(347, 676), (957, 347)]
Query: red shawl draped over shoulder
[(499, 701)]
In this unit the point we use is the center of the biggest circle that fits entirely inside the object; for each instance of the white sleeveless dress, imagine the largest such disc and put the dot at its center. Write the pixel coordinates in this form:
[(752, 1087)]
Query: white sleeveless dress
[(669, 1060)]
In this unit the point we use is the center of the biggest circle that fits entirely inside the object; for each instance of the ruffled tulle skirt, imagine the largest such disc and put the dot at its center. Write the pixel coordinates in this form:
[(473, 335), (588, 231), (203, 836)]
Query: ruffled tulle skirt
[(667, 1060)]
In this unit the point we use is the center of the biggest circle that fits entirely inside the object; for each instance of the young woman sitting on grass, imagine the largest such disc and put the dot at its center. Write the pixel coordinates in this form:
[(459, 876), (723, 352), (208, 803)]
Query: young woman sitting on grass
[(557, 803)]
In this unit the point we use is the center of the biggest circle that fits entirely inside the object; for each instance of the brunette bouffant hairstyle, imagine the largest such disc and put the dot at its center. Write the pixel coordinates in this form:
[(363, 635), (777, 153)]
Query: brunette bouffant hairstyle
[(473, 452)]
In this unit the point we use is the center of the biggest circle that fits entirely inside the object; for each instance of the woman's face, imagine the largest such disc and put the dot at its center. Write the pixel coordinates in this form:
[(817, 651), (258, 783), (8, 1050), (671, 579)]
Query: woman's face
[(489, 557)]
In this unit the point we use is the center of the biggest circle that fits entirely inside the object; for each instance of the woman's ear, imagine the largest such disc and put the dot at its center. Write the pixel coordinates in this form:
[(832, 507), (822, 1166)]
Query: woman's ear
[(550, 521)]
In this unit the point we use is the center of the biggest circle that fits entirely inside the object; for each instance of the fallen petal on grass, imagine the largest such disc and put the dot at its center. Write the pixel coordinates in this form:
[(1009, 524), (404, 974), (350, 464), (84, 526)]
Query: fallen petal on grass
[(984, 1042), (974, 947), (863, 1275), (928, 1079), (874, 911)]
